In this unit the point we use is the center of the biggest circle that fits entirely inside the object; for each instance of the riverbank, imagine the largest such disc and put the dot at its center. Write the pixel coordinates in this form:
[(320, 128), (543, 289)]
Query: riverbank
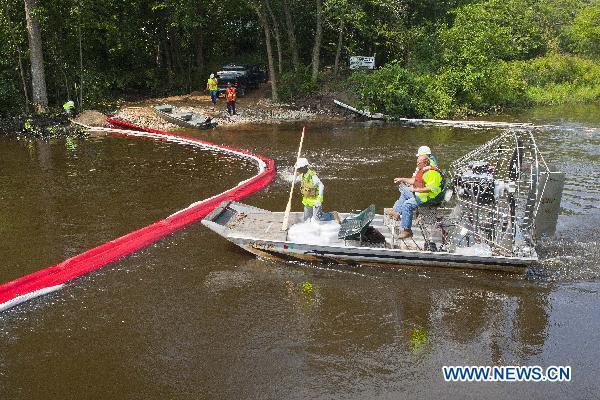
[(254, 108), (39, 126)]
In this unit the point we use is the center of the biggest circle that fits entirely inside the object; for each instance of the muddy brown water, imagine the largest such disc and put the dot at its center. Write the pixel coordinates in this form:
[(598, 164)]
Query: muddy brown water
[(193, 317)]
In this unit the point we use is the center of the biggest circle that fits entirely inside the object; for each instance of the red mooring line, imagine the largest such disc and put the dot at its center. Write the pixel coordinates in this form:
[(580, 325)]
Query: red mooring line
[(54, 277)]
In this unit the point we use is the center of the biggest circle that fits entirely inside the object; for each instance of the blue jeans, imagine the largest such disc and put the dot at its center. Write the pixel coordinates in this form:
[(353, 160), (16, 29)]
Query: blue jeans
[(405, 205), (214, 95)]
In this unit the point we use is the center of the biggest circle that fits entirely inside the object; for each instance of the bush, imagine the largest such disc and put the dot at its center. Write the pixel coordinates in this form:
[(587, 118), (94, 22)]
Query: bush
[(585, 31), (399, 92), (559, 79), (296, 84)]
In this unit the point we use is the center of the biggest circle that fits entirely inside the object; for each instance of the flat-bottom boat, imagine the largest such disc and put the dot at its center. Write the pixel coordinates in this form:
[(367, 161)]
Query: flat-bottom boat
[(184, 118), (370, 241)]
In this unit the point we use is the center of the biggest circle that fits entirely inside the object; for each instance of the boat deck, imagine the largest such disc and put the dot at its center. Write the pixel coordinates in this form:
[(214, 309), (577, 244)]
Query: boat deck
[(267, 226)]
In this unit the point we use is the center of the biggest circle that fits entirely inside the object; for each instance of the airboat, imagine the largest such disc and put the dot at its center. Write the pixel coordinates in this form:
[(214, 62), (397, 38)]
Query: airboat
[(499, 200)]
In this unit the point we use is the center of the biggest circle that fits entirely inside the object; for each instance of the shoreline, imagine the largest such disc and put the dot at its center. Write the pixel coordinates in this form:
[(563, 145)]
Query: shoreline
[(252, 109)]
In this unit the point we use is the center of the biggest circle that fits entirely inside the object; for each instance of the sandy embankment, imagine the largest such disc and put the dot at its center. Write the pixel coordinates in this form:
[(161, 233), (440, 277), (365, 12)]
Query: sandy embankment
[(251, 109)]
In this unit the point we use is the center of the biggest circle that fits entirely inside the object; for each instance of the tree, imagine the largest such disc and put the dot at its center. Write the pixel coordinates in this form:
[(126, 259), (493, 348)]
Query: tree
[(291, 34), (264, 22), (38, 78), (277, 38), (318, 37), (17, 48)]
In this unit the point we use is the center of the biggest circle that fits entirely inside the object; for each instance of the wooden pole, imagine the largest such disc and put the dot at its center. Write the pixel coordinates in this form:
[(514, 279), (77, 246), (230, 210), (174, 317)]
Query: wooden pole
[(286, 216)]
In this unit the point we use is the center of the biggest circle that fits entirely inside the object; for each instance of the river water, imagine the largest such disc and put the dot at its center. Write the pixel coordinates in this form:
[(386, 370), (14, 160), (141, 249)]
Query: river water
[(193, 317)]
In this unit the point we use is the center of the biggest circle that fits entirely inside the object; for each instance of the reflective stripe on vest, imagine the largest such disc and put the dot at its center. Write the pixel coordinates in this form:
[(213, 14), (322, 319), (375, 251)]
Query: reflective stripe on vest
[(432, 179), (212, 83), (307, 182)]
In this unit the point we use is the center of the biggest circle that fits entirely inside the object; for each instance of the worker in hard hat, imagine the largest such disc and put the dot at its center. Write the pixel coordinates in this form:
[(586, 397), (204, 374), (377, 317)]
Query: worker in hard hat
[(211, 86), (421, 188), (312, 189), (426, 151)]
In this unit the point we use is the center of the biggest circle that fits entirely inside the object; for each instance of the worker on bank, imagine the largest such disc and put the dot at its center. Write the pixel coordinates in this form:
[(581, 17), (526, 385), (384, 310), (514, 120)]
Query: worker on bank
[(230, 96), (312, 190), (69, 108), (415, 191), (211, 86)]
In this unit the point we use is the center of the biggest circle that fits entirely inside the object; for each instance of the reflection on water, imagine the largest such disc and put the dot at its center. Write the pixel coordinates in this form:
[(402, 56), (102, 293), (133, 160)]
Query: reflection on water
[(194, 317)]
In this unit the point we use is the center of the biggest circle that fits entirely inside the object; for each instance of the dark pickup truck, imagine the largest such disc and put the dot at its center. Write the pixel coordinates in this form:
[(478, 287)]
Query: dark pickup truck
[(242, 76)]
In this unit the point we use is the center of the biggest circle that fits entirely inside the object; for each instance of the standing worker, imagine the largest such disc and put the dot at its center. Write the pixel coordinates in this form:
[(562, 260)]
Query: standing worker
[(69, 108), (312, 189), (230, 96), (211, 85)]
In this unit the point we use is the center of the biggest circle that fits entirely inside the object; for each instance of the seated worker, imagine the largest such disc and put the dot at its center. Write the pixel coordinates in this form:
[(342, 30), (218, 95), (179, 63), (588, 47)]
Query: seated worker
[(312, 189), (424, 186)]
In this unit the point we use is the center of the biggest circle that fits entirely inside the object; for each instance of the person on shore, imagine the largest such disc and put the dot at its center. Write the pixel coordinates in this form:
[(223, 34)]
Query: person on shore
[(414, 191), (230, 96), (69, 108), (312, 190), (211, 86)]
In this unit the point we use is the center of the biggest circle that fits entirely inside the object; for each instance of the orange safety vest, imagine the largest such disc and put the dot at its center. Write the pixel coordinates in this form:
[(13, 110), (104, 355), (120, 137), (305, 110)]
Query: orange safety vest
[(419, 184), (230, 94)]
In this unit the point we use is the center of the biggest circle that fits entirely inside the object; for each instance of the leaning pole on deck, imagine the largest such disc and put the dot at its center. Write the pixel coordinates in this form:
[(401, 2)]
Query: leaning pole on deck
[(288, 207), (55, 277)]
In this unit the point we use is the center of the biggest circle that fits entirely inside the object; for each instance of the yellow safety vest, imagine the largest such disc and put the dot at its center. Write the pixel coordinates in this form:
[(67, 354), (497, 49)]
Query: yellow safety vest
[(432, 179), (310, 191), (212, 83)]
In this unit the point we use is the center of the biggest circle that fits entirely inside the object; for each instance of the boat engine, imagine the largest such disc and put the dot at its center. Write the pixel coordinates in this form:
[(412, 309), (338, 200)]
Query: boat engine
[(476, 184)]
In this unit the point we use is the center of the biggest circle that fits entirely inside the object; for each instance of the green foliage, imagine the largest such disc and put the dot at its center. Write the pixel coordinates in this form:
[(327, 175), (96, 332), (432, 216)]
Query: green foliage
[(585, 31), (397, 91), (559, 79), (296, 84), (438, 57)]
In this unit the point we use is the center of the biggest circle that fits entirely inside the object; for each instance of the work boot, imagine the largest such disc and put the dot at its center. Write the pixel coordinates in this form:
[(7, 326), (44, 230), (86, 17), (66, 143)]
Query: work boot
[(392, 214), (405, 234), (336, 217)]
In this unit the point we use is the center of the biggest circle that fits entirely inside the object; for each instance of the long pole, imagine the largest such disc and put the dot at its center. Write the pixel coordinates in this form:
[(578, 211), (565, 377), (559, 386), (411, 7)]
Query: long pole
[(288, 208)]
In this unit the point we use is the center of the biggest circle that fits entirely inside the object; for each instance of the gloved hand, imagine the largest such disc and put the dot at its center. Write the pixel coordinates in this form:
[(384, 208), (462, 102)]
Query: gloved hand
[(319, 201)]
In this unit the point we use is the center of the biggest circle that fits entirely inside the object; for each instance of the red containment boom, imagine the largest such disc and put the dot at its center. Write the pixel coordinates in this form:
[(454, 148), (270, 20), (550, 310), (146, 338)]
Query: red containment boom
[(53, 278)]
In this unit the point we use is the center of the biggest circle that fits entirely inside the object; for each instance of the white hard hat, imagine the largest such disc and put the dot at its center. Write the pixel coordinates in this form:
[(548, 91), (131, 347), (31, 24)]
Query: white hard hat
[(212, 75), (302, 162), (423, 151)]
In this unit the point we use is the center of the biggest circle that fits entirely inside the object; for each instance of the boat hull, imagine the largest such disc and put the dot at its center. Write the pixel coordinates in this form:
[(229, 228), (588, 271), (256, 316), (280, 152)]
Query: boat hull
[(196, 122), (278, 247)]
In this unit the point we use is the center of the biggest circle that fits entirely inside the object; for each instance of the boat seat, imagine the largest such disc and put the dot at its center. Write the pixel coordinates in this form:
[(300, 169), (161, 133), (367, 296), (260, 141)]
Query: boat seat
[(355, 227), (427, 216), (185, 116)]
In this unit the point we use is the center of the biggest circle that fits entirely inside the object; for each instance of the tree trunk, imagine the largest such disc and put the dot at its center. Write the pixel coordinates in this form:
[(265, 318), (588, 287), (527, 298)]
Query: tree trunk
[(291, 35), (277, 38), (338, 51), (262, 16), (80, 62), (38, 78), (317, 47), (199, 44), (19, 57)]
